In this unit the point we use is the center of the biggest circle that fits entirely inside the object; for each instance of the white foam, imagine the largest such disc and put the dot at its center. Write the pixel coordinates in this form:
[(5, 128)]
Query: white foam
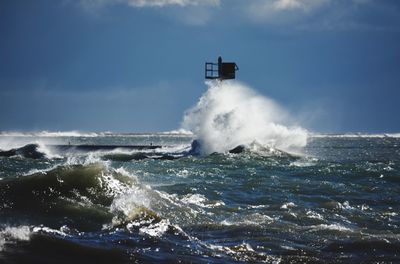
[(48, 230), (345, 205), (334, 227), (10, 234), (390, 213), (86, 159), (314, 215), (182, 173), (113, 186), (178, 132), (255, 219), (288, 205), (42, 171), (127, 202), (179, 148), (356, 135), (244, 253), (200, 200), (230, 114), (155, 230), (305, 162), (123, 171), (48, 152), (45, 133)]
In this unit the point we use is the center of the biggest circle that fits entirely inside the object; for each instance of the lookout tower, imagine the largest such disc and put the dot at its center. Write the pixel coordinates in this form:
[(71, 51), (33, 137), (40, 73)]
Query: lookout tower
[(220, 70)]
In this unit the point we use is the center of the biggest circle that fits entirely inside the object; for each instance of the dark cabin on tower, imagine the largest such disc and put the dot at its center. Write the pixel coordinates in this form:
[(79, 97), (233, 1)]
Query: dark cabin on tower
[(221, 70)]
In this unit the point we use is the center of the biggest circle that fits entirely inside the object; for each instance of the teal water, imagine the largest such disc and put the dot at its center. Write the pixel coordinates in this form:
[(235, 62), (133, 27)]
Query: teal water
[(337, 201)]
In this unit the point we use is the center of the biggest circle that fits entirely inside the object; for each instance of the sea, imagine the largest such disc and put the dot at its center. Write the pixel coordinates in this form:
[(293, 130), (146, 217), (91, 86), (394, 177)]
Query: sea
[(150, 198), (240, 181)]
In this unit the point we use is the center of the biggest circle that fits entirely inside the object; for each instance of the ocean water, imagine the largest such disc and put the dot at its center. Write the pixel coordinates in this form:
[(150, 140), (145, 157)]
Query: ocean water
[(334, 200)]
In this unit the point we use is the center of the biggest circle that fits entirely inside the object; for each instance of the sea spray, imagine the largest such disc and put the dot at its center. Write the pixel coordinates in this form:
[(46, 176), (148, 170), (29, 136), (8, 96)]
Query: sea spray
[(230, 113)]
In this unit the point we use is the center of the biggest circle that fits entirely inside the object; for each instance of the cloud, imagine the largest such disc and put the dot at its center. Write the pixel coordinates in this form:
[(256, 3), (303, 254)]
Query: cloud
[(325, 14), (144, 3), (90, 4), (195, 13), (296, 4), (280, 11)]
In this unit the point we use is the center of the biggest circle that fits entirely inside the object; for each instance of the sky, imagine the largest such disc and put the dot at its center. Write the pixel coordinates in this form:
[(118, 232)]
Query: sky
[(137, 65)]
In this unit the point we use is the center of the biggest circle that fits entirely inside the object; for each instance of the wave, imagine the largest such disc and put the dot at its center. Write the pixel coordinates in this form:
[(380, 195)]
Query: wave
[(356, 135), (38, 244), (75, 133), (95, 182), (50, 134), (75, 191), (179, 132), (28, 151), (230, 114), (86, 197), (137, 156), (10, 233), (106, 152)]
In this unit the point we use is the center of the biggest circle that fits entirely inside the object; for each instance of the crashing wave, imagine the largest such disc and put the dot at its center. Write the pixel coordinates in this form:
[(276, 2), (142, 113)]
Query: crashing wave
[(28, 151), (73, 191), (230, 114)]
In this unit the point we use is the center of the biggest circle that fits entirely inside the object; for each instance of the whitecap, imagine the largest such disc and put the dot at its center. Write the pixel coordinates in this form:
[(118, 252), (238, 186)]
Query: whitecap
[(288, 205), (10, 234), (157, 229), (334, 227)]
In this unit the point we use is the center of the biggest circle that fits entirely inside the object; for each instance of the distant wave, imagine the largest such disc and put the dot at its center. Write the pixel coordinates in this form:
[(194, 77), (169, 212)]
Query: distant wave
[(74, 133), (102, 152), (28, 151), (356, 135), (50, 134), (137, 156), (182, 132)]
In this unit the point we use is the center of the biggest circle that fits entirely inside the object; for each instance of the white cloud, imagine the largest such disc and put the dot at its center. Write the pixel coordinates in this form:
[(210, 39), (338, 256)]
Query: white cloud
[(282, 12), (288, 4), (196, 12), (274, 9), (144, 3), (89, 4), (320, 14)]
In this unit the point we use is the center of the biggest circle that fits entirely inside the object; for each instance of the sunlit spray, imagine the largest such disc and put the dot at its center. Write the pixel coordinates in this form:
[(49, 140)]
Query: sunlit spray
[(230, 113)]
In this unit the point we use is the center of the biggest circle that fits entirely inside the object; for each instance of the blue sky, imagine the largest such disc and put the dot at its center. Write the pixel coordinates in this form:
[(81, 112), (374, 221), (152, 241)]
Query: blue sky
[(137, 65)]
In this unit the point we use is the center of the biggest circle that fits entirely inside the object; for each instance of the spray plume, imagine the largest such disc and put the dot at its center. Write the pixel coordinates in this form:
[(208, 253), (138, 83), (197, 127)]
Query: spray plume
[(230, 114)]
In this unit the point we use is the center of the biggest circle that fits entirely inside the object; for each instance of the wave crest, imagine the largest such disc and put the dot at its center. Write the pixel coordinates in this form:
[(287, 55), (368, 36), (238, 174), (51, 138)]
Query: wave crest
[(32, 151), (75, 191)]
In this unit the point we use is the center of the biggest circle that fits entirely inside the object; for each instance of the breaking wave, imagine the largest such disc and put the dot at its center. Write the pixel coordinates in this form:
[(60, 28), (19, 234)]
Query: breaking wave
[(231, 114), (32, 151), (50, 134), (76, 191), (357, 135)]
